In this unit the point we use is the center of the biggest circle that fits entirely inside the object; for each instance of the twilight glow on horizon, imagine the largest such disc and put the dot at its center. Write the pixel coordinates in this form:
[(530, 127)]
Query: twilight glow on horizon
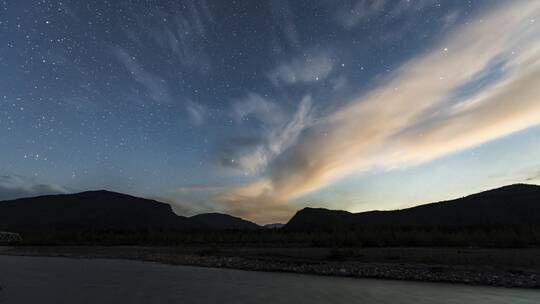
[(260, 108)]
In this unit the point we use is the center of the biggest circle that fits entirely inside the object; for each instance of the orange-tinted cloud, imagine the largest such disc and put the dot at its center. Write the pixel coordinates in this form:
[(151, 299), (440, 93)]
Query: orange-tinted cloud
[(415, 115)]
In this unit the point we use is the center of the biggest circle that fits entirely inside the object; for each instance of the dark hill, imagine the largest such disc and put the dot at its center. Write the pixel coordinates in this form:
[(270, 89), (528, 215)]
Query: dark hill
[(510, 205), (98, 213), (89, 211), (224, 221), (320, 219)]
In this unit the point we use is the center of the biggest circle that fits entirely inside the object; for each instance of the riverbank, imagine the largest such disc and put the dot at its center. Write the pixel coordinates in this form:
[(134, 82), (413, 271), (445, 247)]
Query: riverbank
[(493, 267)]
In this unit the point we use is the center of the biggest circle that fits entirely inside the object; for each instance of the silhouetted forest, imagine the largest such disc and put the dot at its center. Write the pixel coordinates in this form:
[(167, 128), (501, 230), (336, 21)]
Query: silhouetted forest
[(499, 236)]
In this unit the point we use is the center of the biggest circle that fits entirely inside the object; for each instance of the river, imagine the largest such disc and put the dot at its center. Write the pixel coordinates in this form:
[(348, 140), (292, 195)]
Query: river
[(43, 280)]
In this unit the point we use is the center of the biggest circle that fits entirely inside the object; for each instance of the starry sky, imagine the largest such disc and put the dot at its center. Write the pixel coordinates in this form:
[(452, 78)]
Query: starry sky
[(260, 108)]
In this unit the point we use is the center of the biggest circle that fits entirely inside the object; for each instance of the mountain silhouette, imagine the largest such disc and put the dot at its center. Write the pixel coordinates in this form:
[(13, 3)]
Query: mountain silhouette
[(104, 211), (507, 216), (517, 204)]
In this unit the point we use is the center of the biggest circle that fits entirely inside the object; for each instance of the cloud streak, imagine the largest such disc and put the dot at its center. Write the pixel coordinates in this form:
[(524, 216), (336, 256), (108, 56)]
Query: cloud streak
[(284, 20), (280, 135), (258, 107), (17, 186), (196, 112), (360, 11), (415, 115), (306, 69), (155, 86)]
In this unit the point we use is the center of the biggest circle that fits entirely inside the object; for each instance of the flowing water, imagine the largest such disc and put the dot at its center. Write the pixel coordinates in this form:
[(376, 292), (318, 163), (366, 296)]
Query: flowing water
[(41, 280)]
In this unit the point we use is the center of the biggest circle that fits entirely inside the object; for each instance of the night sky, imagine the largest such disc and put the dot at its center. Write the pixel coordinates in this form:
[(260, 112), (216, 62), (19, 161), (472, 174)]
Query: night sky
[(259, 108)]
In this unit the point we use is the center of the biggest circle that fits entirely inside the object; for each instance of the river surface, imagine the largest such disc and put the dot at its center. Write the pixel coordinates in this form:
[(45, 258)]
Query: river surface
[(43, 280)]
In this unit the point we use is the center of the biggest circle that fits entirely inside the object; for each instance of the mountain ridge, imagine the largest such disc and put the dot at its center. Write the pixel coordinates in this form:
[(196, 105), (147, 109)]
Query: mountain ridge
[(103, 210), (490, 207)]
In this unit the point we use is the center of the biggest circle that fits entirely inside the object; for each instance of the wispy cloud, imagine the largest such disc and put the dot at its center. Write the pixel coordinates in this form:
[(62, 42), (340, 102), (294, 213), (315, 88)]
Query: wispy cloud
[(284, 20), (413, 116), (249, 154), (183, 35), (156, 86), (255, 106), (18, 186), (180, 36), (280, 134), (535, 177), (360, 11), (402, 7), (191, 199), (197, 17), (196, 112), (256, 202), (198, 187), (308, 68)]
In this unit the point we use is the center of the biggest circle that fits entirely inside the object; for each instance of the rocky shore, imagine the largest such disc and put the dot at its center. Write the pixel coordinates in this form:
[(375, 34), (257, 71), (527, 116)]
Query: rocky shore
[(430, 272)]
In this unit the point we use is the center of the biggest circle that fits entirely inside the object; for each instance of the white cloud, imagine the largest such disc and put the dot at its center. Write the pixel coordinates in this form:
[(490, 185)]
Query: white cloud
[(196, 112), (284, 19), (256, 106), (17, 186), (287, 136), (155, 86), (309, 68), (281, 135), (179, 37), (339, 82)]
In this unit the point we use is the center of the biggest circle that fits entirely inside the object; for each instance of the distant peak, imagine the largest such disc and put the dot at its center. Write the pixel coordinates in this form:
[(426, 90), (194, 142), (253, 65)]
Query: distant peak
[(98, 191), (314, 209), (509, 189), (106, 194), (101, 192), (213, 214), (319, 210), (519, 185)]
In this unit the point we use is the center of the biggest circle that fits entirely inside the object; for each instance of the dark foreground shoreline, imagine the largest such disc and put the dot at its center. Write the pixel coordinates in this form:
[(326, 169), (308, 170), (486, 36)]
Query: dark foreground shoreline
[(491, 267)]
